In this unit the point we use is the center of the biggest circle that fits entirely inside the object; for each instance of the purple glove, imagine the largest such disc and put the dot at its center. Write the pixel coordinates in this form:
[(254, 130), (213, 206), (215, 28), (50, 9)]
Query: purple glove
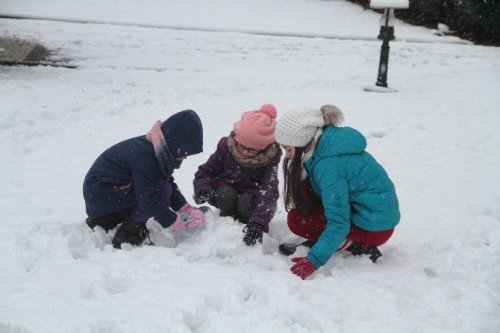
[(303, 267)]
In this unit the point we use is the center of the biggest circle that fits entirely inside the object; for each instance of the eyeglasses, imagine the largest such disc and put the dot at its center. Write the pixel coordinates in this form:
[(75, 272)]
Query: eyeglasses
[(241, 147)]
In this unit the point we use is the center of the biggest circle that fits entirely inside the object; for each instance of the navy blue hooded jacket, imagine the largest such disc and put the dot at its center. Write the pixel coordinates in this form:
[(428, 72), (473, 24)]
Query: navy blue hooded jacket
[(129, 172)]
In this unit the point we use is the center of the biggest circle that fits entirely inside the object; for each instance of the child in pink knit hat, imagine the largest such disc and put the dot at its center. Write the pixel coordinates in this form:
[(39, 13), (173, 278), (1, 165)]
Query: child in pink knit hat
[(241, 176)]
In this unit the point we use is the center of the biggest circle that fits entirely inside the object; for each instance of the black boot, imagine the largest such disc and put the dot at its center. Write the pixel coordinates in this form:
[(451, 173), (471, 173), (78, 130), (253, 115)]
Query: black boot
[(358, 249), (130, 232), (374, 253), (108, 222)]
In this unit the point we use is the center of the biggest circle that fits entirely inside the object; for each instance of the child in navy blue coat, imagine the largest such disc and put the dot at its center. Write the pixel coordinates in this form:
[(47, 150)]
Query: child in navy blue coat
[(132, 181)]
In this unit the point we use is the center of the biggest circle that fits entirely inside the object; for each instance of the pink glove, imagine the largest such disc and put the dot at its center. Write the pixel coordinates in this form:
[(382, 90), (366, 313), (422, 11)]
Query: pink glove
[(188, 220), (186, 208), (303, 267)]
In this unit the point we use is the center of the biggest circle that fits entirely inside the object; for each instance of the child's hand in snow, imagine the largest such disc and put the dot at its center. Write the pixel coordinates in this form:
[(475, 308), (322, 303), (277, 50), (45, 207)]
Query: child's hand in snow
[(190, 219)]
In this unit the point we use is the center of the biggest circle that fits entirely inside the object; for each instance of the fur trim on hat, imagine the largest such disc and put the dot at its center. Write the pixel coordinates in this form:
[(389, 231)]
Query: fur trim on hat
[(332, 115)]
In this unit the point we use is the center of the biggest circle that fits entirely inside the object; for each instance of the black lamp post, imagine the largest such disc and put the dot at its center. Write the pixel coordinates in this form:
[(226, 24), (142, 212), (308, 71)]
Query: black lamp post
[(386, 35)]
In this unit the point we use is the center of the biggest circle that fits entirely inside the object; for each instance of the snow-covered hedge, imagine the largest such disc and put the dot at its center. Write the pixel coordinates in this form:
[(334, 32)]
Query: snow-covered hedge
[(475, 20)]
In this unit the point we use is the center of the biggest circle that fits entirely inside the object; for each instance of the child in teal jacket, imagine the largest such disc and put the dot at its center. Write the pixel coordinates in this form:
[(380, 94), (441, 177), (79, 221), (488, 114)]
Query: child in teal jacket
[(336, 194)]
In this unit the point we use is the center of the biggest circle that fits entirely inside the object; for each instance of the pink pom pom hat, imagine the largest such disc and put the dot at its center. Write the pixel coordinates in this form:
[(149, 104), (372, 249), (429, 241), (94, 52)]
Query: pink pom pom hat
[(256, 128)]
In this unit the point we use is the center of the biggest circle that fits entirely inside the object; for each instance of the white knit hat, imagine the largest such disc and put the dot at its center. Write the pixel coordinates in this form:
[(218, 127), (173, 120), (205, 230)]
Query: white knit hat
[(297, 127)]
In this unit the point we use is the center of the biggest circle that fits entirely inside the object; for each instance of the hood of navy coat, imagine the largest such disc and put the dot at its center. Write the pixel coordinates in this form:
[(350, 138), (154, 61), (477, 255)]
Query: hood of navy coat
[(183, 132)]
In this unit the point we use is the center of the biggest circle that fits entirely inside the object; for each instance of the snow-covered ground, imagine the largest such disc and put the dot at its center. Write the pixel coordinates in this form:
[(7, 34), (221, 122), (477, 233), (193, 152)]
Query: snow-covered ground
[(332, 18), (438, 138)]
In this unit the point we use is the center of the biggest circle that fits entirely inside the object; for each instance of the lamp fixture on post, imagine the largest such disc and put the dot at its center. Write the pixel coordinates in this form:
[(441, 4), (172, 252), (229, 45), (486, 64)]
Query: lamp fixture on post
[(386, 35)]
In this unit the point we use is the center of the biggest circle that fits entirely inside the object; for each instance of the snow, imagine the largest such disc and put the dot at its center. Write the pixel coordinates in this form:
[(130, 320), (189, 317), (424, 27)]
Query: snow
[(437, 137), (378, 4)]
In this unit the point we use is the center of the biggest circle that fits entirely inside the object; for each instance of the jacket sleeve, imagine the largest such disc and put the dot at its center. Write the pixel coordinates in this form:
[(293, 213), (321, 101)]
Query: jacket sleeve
[(205, 177), (177, 200), (147, 195), (335, 198), (268, 195)]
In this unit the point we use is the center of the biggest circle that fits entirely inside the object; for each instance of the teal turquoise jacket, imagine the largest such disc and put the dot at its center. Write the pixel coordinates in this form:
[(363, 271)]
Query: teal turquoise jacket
[(354, 188)]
